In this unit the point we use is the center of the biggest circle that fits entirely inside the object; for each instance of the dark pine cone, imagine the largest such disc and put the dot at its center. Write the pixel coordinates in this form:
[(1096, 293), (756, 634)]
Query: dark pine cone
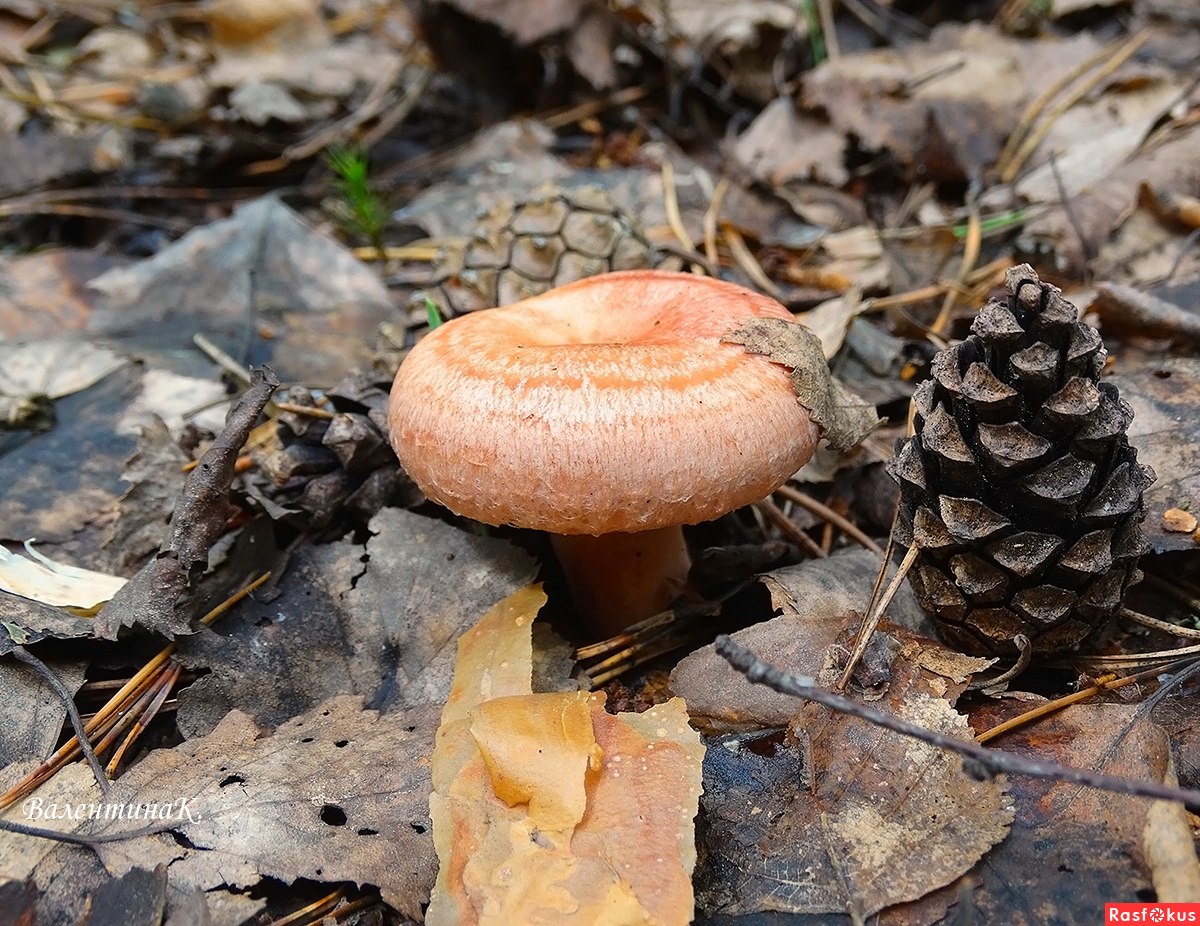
[(1019, 486), (330, 474)]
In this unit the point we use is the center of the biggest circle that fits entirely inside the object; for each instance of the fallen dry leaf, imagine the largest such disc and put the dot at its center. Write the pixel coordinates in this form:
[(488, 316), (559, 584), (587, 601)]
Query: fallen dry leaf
[(19, 854), (947, 103), (782, 145), (1164, 395), (337, 794), (842, 816), (548, 809), (41, 579), (844, 418), (159, 596), (54, 367), (1167, 165)]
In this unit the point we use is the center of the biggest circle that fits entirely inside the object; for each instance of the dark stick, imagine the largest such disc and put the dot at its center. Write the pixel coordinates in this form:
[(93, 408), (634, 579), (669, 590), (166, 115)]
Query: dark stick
[(69, 703), (981, 760), (81, 839)]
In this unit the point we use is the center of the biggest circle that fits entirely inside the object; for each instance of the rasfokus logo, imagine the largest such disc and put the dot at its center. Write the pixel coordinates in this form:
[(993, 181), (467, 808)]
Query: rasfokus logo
[(1152, 913)]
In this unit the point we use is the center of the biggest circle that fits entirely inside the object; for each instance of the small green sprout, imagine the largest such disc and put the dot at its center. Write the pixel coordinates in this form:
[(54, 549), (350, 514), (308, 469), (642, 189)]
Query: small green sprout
[(365, 212), (432, 315)]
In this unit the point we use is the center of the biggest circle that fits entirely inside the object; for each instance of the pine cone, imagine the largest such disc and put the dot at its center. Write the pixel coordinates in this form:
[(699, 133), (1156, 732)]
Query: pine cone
[(524, 248), (330, 474), (1019, 485)]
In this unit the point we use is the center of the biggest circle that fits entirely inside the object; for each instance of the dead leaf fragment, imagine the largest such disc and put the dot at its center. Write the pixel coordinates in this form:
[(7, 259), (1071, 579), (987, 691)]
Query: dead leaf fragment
[(154, 597), (847, 817), (264, 24), (1178, 521), (262, 267), (337, 794), (54, 367), (548, 809), (1096, 837), (818, 600), (1164, 395), (844, 417), (41, 579)]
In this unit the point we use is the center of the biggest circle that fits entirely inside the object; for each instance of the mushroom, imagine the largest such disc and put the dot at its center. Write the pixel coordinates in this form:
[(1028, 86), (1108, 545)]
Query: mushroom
[(609, 413)]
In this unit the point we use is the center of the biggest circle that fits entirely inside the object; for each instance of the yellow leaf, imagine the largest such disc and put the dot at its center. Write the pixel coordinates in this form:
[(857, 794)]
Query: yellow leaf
[(548, 809)]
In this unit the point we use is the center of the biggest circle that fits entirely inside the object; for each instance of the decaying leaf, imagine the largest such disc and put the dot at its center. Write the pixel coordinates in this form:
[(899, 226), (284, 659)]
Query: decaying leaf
[(845, 418), (845, 817), (54, 367), (1166, 432), (264, 266), (45, 809), (337, 794), (54, 483), (1070, 849), (830, 321), (782, 145), (154, 597), (386, 613), (546, 808), (35, 713), (820, 601), (41, 579)]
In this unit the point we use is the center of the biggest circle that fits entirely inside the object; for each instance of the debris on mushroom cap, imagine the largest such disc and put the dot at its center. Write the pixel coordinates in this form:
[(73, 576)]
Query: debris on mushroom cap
[(606, 405), (844, 417)]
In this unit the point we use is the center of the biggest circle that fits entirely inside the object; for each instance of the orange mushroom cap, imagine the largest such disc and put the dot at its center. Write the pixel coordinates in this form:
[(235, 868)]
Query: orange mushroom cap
[(609, 404)]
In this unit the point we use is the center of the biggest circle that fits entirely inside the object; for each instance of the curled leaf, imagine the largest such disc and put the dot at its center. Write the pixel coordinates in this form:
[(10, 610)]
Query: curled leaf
[(844, 417)]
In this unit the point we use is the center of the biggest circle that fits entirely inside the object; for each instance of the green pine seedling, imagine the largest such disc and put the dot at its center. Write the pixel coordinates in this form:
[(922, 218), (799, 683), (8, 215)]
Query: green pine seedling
[(366, 213)]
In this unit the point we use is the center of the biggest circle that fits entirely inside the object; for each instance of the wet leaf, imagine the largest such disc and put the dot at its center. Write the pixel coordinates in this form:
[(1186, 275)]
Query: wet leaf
[(1093, 839), (155, 597), (379, 620), (44, 294), (35, 712), (545, 806), (1164, 395), (58, 481), (820, 601), (264, 266)]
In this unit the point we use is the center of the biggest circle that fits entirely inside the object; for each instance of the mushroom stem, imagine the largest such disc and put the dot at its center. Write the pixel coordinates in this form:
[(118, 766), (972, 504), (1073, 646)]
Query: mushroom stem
[(619, 579)]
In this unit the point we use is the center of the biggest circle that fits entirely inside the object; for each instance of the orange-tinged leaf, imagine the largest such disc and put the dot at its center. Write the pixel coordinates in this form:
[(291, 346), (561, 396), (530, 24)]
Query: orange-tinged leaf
[(538, 749), (548, 809)]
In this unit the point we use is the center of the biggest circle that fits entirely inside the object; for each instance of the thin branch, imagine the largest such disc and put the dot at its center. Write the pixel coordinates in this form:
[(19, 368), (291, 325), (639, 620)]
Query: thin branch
[(872, 618), (72, 712), (844, 524), (82, 839), (979, 762)]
